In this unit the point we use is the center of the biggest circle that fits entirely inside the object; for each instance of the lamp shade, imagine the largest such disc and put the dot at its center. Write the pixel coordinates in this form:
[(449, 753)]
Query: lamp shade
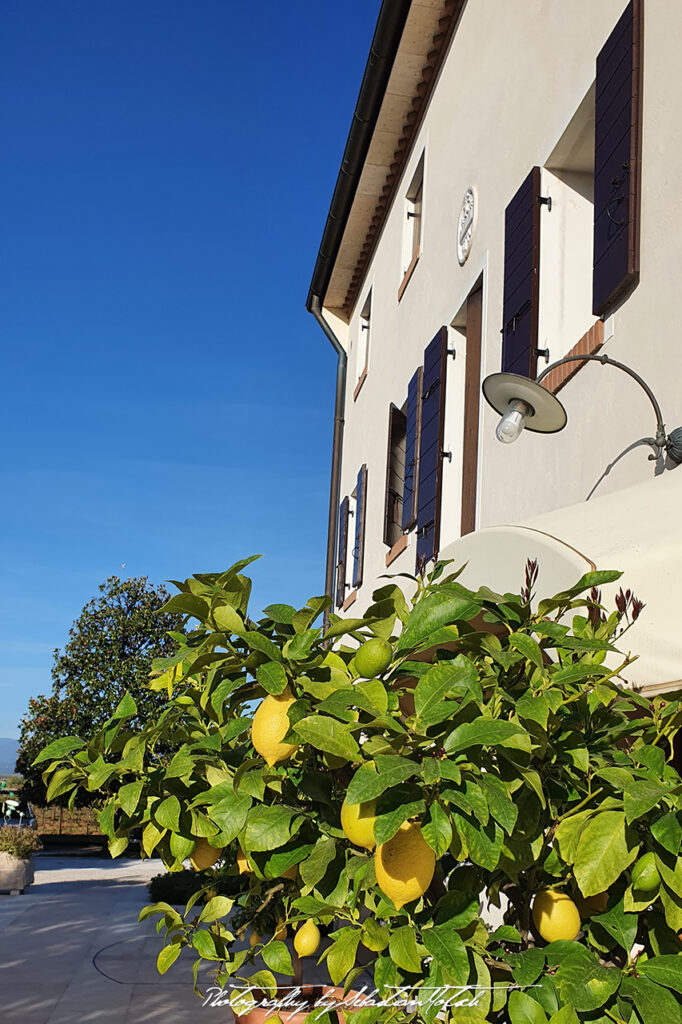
[(546, 416)]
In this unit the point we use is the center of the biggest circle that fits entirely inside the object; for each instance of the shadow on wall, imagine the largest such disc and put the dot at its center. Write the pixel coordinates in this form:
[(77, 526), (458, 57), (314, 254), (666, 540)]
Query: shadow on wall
[(662, 463)]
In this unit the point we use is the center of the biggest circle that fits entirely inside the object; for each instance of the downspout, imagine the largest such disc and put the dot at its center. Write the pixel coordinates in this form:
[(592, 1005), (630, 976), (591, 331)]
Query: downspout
[(337, 443), (388, 32)]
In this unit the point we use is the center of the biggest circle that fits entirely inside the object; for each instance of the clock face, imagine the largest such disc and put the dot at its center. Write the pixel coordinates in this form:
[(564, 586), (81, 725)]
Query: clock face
[(466, 224)]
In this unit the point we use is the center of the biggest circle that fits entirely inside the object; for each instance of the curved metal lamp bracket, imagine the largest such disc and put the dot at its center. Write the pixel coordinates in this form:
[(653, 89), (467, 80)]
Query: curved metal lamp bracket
[(670, 443)]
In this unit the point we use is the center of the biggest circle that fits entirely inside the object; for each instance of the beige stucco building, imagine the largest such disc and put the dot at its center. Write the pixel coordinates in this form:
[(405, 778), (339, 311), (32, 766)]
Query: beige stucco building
[(507, 198)]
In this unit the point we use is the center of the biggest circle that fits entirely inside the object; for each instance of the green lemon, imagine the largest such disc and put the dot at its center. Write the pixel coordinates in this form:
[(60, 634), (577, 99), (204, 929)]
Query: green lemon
[(645, 876), (373, 658)]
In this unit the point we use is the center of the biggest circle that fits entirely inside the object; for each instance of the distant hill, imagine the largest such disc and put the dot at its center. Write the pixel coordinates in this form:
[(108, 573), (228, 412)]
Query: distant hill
[(8, 755)]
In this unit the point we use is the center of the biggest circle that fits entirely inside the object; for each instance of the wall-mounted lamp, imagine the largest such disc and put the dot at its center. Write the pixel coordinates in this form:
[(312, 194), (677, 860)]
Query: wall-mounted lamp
[(525, 404)]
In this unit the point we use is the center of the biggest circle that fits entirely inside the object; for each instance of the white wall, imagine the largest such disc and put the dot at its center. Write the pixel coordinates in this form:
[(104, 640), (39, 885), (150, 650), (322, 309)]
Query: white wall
[(515, 75)]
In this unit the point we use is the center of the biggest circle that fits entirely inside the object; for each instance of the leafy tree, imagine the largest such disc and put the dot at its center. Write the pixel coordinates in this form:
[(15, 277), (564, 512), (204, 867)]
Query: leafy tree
[(499, 727), (109, 652)]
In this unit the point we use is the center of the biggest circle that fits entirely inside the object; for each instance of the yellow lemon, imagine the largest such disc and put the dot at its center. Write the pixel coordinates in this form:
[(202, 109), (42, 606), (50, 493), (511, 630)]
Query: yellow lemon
[(281, 932), (404, 865), (307, 939), (373, 658), (270, 726), (357, 822), (555, 916), (254, 939), (204, 855), (242, 863)]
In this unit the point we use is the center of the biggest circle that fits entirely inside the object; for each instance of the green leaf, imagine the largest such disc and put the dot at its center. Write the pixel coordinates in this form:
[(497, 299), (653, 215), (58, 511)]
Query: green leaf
[(268, 827), (373, 935), (604, 852), (446, 946), (329, 735), (524, 1010), (502, 807), (483, 843), (437, 831), (667, 831), (129, 796), (59, 748), (127, 708), (343, 626), (216, 908), (533, 707), (459, 908), (402, 948), (280, 613), (527, 966), (272, 677), (204, 943), (167, 813), (187, 604), (341, 956), (448, 605), (167, 957), (640, 797), (230, 813), (446, 678), (388, 823), (621, 926), (581, 980), (489, 733), (528, 647), (368, 784), (227, 619), (61, 782), (314, 867), (653, 1003), (569, 832), (278, 958), (300, 645), (566, 1015), (151, 836), (180, 846), (664, 970)]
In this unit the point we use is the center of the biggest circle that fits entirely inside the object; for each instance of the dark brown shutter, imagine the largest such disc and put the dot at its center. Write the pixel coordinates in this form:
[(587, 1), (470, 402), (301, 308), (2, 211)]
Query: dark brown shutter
[(617, 161), (413, 419), (522, 279), (344, 512), (431, 447), (395, 476), (360, 510)]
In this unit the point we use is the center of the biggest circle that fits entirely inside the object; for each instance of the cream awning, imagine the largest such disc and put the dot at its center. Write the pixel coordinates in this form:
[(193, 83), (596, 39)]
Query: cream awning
[(637, 530)]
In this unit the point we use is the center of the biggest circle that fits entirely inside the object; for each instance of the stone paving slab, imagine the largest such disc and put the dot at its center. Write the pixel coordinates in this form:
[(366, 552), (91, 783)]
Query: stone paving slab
[(72, 952)]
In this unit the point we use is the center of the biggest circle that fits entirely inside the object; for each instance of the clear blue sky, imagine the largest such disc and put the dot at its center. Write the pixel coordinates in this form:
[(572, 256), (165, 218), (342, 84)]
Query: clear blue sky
[(165, 171)]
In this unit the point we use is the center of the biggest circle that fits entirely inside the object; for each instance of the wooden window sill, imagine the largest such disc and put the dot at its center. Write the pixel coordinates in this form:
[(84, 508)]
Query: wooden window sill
[(408, 274), (361, 380), (351, 599), (396, 550)]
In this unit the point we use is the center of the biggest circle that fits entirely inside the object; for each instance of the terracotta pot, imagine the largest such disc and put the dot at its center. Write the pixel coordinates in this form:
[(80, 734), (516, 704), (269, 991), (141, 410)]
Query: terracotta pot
[(260, 1014)]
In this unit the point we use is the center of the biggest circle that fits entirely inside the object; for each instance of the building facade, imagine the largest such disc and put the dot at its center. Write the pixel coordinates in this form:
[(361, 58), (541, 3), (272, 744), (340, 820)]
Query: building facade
[(507, 199)]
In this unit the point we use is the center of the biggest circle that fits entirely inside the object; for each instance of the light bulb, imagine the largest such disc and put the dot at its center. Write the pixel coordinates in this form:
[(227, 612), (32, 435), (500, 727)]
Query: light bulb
[(513, 421)]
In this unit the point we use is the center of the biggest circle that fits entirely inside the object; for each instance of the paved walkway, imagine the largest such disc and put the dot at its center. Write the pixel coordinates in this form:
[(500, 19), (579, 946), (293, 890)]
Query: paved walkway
[(72, 952)]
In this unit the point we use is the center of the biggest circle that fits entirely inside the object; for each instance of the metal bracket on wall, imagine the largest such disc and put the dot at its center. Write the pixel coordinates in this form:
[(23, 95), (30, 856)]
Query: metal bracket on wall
[(446, 455), (451, 352), (542, 352), (546, 201)]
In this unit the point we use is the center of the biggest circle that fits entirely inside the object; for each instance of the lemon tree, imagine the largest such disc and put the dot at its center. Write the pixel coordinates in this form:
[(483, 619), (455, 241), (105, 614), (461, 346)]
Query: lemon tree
[(479, 800)]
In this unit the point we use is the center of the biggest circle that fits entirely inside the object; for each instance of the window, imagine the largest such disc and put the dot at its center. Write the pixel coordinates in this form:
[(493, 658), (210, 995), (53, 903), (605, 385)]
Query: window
[(566, 239), (412, 228), (364, 331), (395, 475)]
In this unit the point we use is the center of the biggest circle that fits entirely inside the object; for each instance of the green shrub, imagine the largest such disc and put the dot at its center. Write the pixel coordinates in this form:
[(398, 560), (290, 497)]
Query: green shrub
[(500, 734), (20, 842)]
